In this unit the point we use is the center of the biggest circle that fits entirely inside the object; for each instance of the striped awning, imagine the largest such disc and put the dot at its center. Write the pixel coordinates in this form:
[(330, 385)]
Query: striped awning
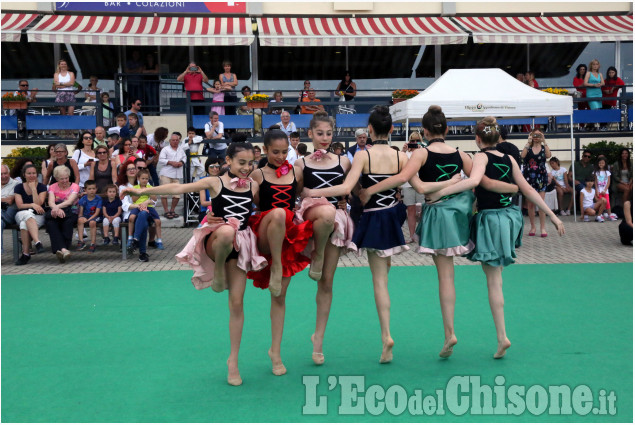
[(554, 29), (142, 31), (13, 24), (391, 31)]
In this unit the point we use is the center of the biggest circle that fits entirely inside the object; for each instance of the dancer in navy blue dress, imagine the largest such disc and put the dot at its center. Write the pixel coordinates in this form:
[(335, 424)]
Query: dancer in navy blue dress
[(379, 230), (498, 227)]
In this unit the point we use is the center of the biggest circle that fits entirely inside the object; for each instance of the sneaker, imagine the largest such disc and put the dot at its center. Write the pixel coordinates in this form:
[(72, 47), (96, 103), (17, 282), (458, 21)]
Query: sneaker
[(23, 260), (106, 241), (143, 257), (160, 246), (152, 244), (39, 248), (116, 241), (80, 245), (60, 257), (567, 212), (563, 213), (586, 218), (612, 217), (92, 248), (605, 215), (599, 219), (132, 246)]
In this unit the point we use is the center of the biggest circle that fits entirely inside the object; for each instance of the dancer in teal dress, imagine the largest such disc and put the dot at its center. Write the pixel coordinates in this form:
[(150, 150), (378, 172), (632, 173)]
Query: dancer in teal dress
[(594, 81), (497, 228), (444, 230)]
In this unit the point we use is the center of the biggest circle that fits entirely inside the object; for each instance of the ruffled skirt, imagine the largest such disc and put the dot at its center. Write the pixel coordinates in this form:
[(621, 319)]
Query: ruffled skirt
[(496, 234), (295, 241), (444, 228), (195, 255), (380, 231), (343, 230)]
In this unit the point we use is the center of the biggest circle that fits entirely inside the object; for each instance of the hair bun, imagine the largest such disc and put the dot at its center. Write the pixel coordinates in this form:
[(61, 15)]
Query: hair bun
[(320, 113), (435, 109)]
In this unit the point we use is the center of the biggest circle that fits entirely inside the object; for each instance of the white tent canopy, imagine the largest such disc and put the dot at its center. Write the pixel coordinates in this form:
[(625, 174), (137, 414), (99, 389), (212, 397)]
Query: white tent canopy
[(475, 93)]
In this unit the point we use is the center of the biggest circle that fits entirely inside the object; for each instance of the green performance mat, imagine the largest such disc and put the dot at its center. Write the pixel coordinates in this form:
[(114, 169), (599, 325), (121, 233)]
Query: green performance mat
[(148, 347)]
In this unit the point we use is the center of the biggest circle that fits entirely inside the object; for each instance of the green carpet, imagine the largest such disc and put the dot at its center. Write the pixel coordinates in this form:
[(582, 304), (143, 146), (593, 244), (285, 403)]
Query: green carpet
[(148, 347)]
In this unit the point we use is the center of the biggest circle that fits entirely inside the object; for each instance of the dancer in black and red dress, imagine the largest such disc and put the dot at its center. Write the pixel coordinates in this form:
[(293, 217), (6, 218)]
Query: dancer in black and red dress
[(280, 240)]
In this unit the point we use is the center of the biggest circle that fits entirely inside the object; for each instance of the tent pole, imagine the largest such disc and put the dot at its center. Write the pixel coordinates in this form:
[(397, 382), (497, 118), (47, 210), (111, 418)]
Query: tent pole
[(575, 218)]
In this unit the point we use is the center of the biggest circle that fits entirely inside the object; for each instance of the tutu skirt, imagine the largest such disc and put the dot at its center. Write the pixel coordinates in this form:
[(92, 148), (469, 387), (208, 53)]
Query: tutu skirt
[(380, 230), (295, 241), (196, 256), (496, 234), (444, 228), (342, 232)]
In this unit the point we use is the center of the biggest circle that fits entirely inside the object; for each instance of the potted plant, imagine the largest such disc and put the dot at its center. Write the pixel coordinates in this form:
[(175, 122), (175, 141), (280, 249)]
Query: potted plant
[(257, 101), (403, 94), (553, 90), (13, 101)]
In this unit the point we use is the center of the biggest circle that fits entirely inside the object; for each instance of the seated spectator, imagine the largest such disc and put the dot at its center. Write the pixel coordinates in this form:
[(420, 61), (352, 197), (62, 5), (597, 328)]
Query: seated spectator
[(583, 169), (302, 150), (8, 199), (61, 158), (16, 171), (213, 167), (294, 141), (172, 158), (126, 155), (158, 139), (591, 203), (192, 144), (310, 104), (100, 137), (152, 158), (104, 170), (257, 154), (602, 184), (62, 216), (286, 125), (214, 130), (29, 199), (559, 175), (246, 110), (111, 213), (31, 96), (338, 148), (141, 211), (626, 226), (134, 127), (622, 171), (121, 128), (107, 110), (89, 212), (50, 149), (84, 156), (113, 143), (217, 97), (276, 109)]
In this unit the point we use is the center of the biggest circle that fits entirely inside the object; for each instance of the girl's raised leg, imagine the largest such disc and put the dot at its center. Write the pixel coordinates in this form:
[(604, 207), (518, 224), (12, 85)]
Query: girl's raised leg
[(271, 233), (236, 280), (497, 305), (447, 298), (278, 309), (323, 218), (219, 246), (323, 300), (379, 269)]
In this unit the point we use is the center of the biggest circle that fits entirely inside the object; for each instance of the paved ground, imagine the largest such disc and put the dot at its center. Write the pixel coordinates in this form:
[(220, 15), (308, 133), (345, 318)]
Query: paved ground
[(583, 243)]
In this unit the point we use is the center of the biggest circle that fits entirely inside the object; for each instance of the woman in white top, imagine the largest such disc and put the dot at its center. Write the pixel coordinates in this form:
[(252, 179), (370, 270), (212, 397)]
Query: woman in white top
[(84, 156), (63, 82)]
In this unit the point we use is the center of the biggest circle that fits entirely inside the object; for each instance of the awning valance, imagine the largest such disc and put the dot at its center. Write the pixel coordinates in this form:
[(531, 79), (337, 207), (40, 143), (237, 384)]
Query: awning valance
[(553, 29), (141, 30), (14, 23), (384, 31)]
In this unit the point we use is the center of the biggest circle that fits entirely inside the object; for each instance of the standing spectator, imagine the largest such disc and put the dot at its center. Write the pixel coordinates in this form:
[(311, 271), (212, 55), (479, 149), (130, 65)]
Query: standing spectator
[(64, 82), (612, 87), (276, 109), (8, 198), (84, 156), (310, 104), (578, 83), (214, 130), (593, 80), (192, 144), (158, 138), (172, 158), (602, 184), (410, 196), (622, 169), (91, 94), (535, 156), (151, 156), (286, 125), (507, 148), (304, 93), (61, 158), (520, 77), (89, 212), (112, 212), (591, 203), (361, 138), (583, 169), (530, 79), (229, 82), (559, 175), (246, 110), (62, 217), (107, 110), (103, 171), (193, 78), (50, 149), (218, 96), (626, 226), (23, 89), (151, 83), (134, 127), (100, 138), (347, 90), (29, 199), (135, 108)]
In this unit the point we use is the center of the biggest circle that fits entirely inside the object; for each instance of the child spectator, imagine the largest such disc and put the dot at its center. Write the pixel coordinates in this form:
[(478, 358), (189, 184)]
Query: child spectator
[(602, 184), (559, 175), (121, 129), (134, 127), (337, 148), (212, 165), (192, 143), (143, 176), (107, 109), (219, 96), (112, 210), (302, 150), (591, 204), (89, 211)]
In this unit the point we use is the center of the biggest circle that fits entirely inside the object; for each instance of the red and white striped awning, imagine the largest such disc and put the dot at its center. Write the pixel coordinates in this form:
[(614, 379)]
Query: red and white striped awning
[(142, 30), (13, 24), (391, 31), (554, 29)]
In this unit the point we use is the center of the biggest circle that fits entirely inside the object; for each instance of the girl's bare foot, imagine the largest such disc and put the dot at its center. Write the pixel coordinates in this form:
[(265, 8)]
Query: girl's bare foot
[(317, 356), (448, 347), (502, 348), (277, 367), (275, 280), (233, 376), (315, 270), (386, 353)]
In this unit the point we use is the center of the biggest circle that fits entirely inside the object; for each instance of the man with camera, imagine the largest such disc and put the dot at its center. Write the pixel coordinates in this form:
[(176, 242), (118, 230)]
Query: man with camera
[(8, 205), (193, 78)]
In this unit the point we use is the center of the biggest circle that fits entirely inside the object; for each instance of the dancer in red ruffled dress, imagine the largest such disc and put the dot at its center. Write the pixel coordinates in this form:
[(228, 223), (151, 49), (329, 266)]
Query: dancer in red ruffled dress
[(279, 239), (224, 239)]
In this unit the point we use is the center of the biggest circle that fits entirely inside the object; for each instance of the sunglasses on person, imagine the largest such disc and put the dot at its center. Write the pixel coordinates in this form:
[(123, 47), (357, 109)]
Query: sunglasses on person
[(24, 85), (88, 137), (142, 168), (137, 104), (586, 156), (214, 166)]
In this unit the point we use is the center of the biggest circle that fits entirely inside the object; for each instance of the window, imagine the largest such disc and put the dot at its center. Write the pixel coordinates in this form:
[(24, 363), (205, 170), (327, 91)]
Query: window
[(27, 60)]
